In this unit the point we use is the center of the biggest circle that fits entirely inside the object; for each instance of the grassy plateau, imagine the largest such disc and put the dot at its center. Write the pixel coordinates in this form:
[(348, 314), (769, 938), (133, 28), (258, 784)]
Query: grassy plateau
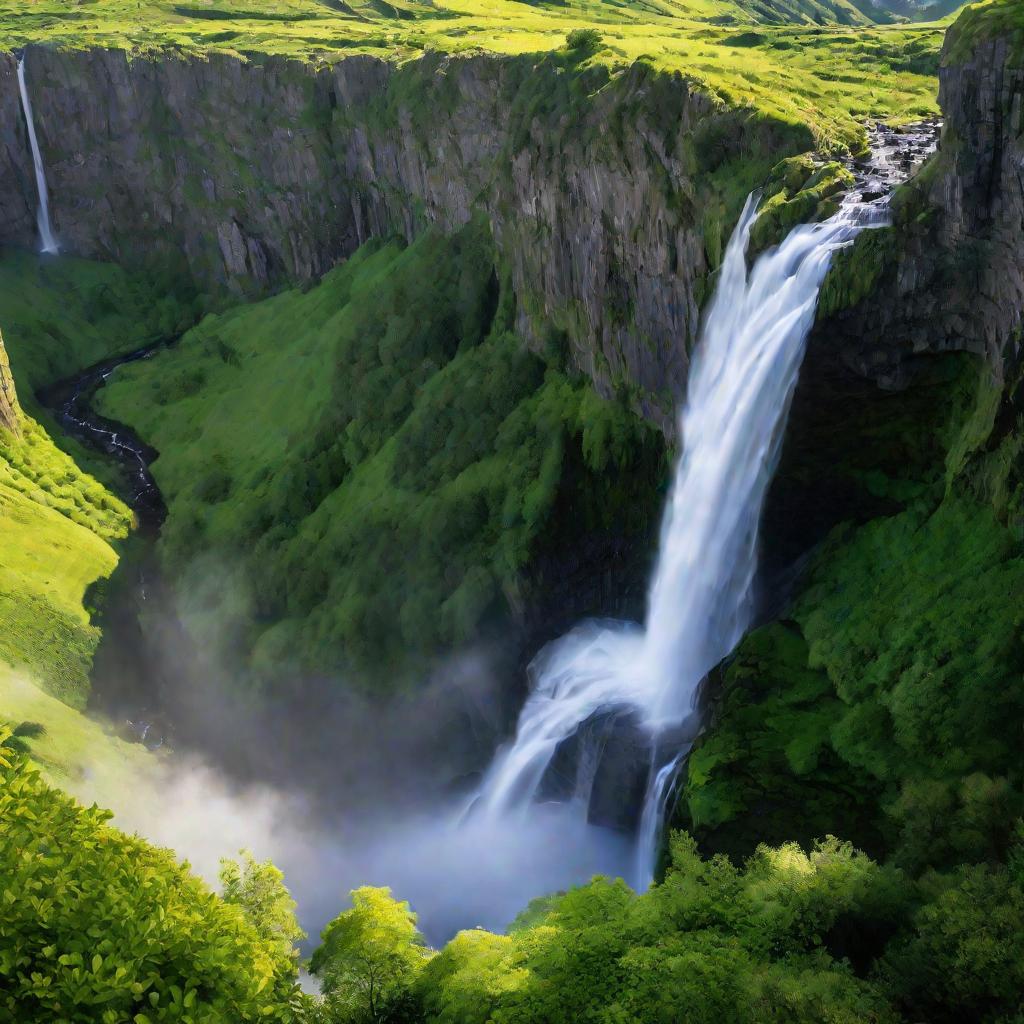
[(823, 64)]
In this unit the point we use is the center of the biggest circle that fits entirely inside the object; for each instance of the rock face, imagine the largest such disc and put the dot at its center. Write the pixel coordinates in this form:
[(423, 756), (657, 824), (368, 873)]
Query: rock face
[(951, 278), (10, 411), (601, 192)]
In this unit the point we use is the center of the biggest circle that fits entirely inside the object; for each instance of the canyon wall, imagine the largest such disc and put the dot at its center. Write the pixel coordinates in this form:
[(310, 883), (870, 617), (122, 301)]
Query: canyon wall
[(609, 197), (10, 412), (950, 277)]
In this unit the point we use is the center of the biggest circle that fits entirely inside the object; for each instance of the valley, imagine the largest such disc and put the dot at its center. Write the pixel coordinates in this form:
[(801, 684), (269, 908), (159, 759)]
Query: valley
[(558, 464)]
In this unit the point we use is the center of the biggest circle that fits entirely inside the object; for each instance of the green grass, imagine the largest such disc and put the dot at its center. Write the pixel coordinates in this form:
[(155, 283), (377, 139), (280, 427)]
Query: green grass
[(993, 19), (60, 315), (831, 76), (362, 476), (58, 523), (77, 752)]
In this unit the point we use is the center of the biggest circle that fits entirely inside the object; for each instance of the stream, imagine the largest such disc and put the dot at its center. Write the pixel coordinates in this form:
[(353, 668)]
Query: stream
[(129, 684)]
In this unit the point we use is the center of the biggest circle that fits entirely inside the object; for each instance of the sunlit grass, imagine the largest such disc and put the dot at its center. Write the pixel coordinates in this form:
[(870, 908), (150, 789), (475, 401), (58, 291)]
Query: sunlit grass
[(76, 752), (831, 77)]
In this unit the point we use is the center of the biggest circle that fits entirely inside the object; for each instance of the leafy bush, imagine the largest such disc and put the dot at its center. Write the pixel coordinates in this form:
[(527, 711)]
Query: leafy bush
[(100, 926), (584, 39), (369, 959), (712, 942)]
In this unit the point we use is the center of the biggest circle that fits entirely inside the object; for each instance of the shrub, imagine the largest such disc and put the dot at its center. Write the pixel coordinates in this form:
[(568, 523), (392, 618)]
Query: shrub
[(584, 39), (101, 926)]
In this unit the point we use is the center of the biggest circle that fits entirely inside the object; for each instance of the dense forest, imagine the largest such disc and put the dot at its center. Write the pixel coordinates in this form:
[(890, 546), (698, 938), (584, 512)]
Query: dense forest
[(516, 509)]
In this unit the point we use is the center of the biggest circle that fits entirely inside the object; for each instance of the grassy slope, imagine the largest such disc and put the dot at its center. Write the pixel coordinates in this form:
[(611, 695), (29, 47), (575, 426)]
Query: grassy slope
[(62, 315), (57, 523), (830, 77), (990, 20), (76, 752), (374, 463), (49, 560)]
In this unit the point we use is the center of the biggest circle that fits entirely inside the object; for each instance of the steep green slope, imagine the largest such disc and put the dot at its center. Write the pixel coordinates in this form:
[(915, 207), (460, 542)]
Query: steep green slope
[(75, 752), (367, 475), (57, 522), (887, 707), (61, 315)]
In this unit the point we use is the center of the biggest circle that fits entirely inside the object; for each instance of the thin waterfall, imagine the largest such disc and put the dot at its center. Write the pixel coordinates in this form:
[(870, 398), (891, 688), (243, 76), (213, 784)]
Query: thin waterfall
[(700, 599), (46, 236)]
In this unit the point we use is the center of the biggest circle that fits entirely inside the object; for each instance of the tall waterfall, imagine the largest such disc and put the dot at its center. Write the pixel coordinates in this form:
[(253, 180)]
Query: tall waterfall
[(700, 599), (46, 236)]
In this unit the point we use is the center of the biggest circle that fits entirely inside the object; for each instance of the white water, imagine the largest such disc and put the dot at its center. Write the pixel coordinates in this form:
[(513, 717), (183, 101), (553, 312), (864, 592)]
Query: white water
[(46, 236), (700, 599)]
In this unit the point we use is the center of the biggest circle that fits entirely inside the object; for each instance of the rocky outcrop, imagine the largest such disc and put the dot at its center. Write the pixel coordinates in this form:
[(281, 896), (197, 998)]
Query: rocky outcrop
[(10, 411), (601, 190), (874, 398), (950, 276)]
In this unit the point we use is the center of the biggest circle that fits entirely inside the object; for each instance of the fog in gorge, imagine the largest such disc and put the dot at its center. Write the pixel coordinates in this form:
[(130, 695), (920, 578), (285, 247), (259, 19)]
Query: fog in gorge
[(457, 869)]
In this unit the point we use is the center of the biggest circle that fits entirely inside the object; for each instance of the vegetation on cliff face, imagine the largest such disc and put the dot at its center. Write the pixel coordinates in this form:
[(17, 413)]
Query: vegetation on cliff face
[(888, 705), (988, 21), (375, 464), (56, 523)]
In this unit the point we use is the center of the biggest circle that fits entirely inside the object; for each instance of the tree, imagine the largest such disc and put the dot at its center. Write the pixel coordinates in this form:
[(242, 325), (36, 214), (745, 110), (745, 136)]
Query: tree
[(100, 926), (259, 889), (588, 39), (369, 958)]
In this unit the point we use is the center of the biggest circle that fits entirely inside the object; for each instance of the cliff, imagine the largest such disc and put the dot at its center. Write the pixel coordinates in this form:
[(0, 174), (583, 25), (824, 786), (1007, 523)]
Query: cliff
[(609, 194), (883, 702), (10, 412), (950, 276)]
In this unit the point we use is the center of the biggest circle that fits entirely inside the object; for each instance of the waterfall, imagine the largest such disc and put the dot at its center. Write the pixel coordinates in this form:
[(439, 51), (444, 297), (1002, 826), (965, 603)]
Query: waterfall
[(700, 599), (46, 237)]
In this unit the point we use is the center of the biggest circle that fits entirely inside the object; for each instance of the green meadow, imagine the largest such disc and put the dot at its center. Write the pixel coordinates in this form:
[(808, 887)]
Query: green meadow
[(824, 64)]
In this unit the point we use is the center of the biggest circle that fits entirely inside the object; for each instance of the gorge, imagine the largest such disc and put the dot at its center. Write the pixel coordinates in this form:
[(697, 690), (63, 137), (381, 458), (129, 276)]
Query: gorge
[(394, 498)]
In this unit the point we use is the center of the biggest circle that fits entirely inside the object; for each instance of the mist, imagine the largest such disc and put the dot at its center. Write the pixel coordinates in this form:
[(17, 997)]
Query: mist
[(456, 869), (337, 788)]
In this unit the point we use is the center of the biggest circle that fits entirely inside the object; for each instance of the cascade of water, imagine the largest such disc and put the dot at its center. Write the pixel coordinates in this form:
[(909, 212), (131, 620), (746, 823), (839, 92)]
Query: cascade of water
[(46, 236), (699, 603)]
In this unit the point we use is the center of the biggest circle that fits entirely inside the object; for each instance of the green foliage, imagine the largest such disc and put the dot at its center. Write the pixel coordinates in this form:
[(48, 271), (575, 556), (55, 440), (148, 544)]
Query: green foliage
[(369, 959), (797, 193), (56, 523), (21, 733), (888, 708), (62, 315), (584, 39), (824, 935), (99, 926), (964, 956), (712, 942), (404, 486), (994, 19), (259, 889), (886, 712)]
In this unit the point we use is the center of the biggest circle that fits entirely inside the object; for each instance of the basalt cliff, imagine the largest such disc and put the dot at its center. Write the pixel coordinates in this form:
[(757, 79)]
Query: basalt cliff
[(603, 197)]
